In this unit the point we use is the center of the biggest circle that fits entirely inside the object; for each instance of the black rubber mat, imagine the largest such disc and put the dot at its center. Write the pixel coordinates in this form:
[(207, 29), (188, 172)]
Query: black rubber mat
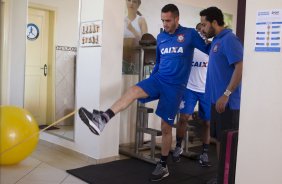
[(133, 171)]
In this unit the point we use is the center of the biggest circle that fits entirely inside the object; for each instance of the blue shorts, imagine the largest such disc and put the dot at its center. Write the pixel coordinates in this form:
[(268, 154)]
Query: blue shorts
[(169, 96), (189, 102)]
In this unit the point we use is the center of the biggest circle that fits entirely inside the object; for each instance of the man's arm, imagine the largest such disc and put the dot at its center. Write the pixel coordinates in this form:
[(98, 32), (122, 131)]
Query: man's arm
[(233, 84), (200, 43), (236, 77)]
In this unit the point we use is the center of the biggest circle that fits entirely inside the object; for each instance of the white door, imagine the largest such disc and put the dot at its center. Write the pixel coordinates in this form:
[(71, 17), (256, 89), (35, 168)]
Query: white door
[(36, 69)]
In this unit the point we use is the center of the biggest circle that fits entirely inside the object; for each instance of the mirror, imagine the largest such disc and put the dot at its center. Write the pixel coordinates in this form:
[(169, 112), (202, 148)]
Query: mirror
[(51, 48)]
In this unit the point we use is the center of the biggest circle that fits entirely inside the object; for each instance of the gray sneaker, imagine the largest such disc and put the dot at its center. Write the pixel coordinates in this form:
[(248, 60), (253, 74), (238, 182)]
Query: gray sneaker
[(94, 120), (204, 160), (159, 173), (176, 154)]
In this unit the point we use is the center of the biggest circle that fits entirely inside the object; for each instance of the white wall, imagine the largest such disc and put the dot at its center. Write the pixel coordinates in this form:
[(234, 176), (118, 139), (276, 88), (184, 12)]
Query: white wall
[(260, 137), (18, 17), (189, 12), (229, 6), (88, 81), (111, 72), (67, 19)]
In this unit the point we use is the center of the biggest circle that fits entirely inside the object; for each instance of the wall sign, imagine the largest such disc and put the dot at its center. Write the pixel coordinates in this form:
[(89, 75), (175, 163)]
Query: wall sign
[(32, 31), (268, 31), (91, 34)]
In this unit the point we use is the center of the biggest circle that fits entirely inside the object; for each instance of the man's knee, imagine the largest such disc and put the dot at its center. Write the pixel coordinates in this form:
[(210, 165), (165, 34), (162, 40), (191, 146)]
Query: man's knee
[(166, 128), (136, 92), (206, 124), (135, 89), (184, 118)]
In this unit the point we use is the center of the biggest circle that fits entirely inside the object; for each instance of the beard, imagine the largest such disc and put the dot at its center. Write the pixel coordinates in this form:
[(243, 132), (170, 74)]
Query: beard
[(210, 33), (170, 29)]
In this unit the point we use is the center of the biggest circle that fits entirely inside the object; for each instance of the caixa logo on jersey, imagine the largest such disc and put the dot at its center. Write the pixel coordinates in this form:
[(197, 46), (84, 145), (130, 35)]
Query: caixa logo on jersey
[(275, 13), (171, 50)]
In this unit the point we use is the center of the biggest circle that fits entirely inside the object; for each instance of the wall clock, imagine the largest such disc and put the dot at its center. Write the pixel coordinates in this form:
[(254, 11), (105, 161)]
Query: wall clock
[(32, 32)]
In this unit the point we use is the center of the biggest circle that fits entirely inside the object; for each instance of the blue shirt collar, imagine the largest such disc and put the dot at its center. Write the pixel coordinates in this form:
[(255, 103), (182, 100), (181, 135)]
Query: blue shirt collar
[(176, 31), (223, 32)]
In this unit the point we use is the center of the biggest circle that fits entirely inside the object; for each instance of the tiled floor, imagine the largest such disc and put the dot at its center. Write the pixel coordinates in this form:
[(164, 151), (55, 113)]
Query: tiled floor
[(45, 166), (65, 131)]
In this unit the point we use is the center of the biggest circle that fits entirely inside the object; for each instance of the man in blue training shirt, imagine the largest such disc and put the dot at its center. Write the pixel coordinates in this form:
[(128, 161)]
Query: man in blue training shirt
[(224, 74), (174, 53)]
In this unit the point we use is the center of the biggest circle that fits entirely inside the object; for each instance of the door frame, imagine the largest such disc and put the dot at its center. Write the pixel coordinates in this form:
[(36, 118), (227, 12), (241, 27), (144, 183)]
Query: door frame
[(241, 17), (5, 60), (50, 114)]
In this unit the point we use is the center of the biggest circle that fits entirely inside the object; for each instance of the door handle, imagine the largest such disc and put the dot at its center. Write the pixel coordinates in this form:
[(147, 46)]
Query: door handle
[(44, 70)]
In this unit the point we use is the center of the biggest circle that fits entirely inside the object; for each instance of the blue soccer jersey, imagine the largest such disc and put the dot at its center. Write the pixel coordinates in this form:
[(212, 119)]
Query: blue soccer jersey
[(175, 54), (226, 50), (173, 64)]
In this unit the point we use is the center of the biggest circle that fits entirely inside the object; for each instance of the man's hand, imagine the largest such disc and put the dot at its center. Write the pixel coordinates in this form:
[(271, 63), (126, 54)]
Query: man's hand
[(221, 103)]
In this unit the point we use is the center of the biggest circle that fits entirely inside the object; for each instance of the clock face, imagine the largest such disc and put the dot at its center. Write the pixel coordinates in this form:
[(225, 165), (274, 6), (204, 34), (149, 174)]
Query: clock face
[(32, 32)]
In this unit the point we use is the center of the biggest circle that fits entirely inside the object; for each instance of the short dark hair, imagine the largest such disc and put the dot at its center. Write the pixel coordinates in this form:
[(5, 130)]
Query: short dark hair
[(213, 13), (171, 8), (198, 25)]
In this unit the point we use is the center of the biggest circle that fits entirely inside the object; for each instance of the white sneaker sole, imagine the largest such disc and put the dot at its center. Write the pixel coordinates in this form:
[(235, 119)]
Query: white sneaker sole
[(95, 127), (88, 122), (164, 176)]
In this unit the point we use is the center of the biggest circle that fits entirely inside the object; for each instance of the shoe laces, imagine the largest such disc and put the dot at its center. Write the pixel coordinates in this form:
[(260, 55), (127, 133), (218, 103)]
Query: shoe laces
[(159, 169), (98, 120), (204, 157)]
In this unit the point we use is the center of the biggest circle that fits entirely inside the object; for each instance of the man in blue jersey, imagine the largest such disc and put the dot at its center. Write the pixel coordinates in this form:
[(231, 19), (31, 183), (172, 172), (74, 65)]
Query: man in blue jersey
[(224, 73), (194, 93), (174, 53)]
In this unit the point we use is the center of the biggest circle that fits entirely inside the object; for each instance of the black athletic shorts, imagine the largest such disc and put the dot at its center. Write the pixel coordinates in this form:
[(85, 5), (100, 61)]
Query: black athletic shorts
[(229, 119)]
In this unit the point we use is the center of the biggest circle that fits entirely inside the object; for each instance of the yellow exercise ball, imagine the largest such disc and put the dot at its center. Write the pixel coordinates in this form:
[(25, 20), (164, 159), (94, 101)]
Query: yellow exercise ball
[(17, 125)]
